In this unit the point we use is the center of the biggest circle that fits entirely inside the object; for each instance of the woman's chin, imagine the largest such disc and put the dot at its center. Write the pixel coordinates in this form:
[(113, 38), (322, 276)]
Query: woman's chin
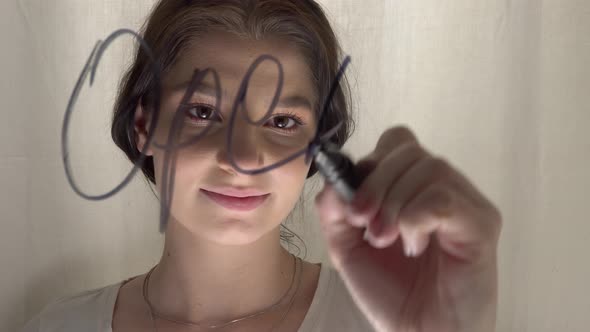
[(232, 231)]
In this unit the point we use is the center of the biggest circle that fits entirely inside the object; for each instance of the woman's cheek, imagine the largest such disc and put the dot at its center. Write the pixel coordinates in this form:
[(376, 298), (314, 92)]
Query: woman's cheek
[(289, 181)]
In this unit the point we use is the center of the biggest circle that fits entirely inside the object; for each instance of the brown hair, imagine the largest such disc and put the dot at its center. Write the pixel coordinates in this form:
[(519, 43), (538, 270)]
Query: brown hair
[(174, 24)]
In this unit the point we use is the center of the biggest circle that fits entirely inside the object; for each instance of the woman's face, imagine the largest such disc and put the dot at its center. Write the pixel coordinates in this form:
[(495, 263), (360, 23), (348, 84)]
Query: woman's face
[(203, 168)]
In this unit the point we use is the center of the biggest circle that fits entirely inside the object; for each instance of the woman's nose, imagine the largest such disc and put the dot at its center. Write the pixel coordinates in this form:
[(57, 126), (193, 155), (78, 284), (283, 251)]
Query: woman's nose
[(245, 149)]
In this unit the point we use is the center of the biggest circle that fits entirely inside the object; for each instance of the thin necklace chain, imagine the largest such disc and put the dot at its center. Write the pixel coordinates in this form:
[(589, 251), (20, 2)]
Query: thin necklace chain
[(154, 314)]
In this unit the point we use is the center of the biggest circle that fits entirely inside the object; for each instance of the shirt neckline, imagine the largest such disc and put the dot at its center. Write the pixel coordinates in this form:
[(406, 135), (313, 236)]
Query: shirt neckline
[(309, 321)]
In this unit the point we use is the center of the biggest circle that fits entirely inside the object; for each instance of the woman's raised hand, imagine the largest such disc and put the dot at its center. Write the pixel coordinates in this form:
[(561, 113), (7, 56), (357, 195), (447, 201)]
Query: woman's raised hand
[(429, 262)]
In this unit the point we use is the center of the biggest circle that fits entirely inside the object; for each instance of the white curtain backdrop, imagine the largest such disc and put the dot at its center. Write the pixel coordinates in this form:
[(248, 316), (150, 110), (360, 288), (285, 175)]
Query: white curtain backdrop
[(499, 88)]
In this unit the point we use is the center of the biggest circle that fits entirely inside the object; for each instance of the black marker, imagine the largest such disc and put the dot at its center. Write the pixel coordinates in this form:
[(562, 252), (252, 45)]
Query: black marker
[(338, 169)]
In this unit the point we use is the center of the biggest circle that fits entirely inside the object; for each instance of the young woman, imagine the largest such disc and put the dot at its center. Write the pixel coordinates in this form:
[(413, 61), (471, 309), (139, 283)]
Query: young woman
[(223, 266)]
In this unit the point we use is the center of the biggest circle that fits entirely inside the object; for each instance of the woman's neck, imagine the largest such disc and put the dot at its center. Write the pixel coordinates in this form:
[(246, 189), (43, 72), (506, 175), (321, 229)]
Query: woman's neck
[(201, 281)]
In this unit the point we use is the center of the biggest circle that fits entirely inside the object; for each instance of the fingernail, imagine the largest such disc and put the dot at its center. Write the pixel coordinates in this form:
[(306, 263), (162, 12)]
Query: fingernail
[(366, 236), (379, 223), (355, 219), (409, 250)]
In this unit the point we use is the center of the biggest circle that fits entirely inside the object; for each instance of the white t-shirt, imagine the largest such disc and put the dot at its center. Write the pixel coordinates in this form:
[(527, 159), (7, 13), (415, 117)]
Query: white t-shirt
[(332, 309)]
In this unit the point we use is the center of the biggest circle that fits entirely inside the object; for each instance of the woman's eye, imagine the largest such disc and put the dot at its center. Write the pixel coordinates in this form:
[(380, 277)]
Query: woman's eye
[(283, 122), (201, 112), (287, 122)]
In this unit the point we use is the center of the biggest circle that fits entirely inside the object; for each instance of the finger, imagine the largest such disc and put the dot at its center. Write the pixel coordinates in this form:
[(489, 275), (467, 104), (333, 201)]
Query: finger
[(339, 234), (393, 138), (387, 237), (425, 215), (329, 206), (363, 168), (465, 224), (371, 193), (421, 183), (416, 178)]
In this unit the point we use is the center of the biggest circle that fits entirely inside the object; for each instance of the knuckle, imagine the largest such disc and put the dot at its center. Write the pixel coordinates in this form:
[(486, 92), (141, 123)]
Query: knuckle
[(412, 149), (436, 201), (440, 167), (400, 132), (395, 136)]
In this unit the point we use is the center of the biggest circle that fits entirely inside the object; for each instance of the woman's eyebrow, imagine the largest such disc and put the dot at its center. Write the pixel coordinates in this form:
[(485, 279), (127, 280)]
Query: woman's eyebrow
[(295, 101), (204, 88)]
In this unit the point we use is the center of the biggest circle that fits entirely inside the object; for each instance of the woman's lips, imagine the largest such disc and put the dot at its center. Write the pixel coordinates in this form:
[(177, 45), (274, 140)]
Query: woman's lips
[(236, 203)]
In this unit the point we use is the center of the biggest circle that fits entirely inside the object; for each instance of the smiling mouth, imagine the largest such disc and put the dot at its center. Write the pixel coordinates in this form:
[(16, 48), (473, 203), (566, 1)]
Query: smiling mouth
[(236, 203)]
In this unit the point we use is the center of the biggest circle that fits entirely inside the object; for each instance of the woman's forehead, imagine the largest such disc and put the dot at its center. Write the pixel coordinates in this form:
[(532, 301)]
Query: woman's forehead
[(231, 57)]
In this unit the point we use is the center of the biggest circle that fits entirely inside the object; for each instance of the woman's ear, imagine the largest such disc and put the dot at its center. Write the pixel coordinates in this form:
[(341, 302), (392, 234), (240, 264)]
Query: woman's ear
[(141, 123)]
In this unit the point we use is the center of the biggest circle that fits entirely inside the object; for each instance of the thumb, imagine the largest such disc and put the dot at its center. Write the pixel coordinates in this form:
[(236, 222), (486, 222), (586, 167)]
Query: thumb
[(340, 236)]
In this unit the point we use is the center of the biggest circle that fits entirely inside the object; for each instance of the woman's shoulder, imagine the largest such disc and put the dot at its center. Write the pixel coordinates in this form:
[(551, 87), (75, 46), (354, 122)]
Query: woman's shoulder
[(84, 311)]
